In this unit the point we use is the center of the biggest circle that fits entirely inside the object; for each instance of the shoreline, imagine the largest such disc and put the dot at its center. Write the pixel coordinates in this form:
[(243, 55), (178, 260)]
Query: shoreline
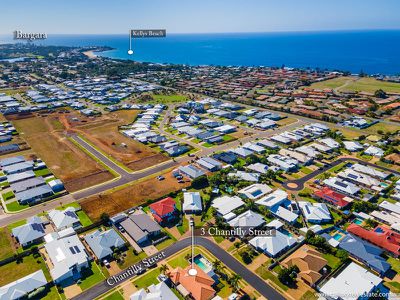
[(90, 54)]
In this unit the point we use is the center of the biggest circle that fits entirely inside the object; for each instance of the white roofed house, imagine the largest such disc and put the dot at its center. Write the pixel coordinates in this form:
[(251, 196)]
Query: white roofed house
[(192, 203), (62, 219), (248, 219), (353, 146), (343, 186), (374, 151), (315, 212), (242, 152), (370, 171), (254, 147), (351, 284), (302, 158), (226, 204), (273, 199), (255, 191), (331, 143), (360, 179), (273, 246), (253, 177), (158, 291), (67, 258), (258, 167)]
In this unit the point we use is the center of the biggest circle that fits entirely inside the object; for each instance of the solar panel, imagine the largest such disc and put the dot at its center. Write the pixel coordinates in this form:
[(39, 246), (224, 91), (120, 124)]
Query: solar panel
[(352, 176), (341, 184), (77, 249), (72, 250)]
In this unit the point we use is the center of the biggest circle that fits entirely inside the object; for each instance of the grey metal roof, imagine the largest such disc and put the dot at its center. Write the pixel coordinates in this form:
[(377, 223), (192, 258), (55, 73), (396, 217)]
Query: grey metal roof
[(103, 243), (34, 193), (11, 160), (27, 184), (23, 286), (364, 251), (28, 232)]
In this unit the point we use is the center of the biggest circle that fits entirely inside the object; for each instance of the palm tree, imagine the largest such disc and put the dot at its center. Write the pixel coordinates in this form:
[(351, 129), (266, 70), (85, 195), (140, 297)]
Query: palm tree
[(216, 265), (234, 281), (164, 269)]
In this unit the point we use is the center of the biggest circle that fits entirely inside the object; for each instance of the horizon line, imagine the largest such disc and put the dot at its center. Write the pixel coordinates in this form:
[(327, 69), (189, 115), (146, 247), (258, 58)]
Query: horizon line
[(237, 32)]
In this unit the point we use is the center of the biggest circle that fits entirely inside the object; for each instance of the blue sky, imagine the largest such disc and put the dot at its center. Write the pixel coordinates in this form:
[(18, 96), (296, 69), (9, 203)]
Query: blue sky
[(179, 16)]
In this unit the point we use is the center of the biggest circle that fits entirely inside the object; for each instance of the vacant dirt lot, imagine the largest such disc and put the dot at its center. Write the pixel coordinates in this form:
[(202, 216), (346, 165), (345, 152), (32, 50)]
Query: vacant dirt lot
[(46, 135), (103, 132), (134, 195)]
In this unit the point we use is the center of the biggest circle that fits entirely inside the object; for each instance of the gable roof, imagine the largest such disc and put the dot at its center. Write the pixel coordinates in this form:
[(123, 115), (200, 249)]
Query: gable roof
[(315, 212), (365, 251), (191, 201), (273, 244), (381, 236), (247, 219)]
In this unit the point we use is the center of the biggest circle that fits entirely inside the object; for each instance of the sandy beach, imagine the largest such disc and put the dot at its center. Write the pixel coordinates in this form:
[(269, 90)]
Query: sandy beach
[(90, 54)]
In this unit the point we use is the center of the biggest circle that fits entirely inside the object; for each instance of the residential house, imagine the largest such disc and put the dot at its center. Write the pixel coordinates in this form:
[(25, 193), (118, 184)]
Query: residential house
[(164, 211), (191, 171), (273, 246), (365, 252), (197, 287), (141, 228), (103, 243), (62, 219), (315, 212), (29, 233), (354, 282), (154, 291), (310, 263), (67, 258), (248, 219), (21, 288), (192, 203), (255, 191)]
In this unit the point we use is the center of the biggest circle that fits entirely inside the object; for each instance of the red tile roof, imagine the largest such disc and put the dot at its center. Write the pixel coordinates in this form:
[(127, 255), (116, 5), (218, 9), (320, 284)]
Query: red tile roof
[(331, 196), (381, 236), (163, 207)]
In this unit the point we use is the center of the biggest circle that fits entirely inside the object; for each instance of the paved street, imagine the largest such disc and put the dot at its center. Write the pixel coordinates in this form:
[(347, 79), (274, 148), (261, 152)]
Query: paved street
[(256, 282)]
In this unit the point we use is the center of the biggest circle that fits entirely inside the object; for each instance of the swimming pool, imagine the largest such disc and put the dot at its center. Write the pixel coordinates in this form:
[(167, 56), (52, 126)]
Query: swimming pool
[(337, 236), (197, 261), (358, 221), (256, 193)]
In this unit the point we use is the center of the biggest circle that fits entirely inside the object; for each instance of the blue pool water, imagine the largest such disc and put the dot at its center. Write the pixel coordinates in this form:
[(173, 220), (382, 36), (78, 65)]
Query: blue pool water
[(201, 265), (337, 236), (357, 221)]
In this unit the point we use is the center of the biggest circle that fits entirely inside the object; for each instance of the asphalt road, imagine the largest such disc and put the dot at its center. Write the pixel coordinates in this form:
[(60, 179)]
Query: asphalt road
[(256, 282), (301, 181)]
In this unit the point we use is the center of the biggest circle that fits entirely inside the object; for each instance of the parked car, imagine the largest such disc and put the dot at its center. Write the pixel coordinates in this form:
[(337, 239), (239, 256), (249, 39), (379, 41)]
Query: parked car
[(106, 263)]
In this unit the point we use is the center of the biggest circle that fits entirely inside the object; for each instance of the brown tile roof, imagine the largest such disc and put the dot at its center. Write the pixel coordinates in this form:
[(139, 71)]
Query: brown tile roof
[(309, 261)]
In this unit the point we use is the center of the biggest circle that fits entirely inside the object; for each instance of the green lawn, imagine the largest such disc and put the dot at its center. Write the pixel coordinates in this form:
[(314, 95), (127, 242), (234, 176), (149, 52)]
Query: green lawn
[(114, 296), (42, 172), (51, 294), (165, 244), (384, 127), (15, 206), (267, 275), (6, 249), (16, 224), (184, 227), (333, 261), (91, 276), (9, 195), (331, 83), (147, 279), (395, 263), (370, 85), (131, 258), (169, 98), (393, 286), (13, 271), (83, 217), (179, 261), (309, 295)]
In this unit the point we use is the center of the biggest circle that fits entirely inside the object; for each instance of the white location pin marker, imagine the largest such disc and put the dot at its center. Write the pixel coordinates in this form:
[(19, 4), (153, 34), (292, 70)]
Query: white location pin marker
[(192, 271)]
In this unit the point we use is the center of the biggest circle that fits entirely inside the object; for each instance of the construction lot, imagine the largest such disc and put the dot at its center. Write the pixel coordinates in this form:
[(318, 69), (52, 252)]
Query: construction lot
[(45, 134)]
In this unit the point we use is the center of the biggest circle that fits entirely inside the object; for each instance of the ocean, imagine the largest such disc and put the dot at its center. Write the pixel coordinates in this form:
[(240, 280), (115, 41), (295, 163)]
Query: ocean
[(373, 52)]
